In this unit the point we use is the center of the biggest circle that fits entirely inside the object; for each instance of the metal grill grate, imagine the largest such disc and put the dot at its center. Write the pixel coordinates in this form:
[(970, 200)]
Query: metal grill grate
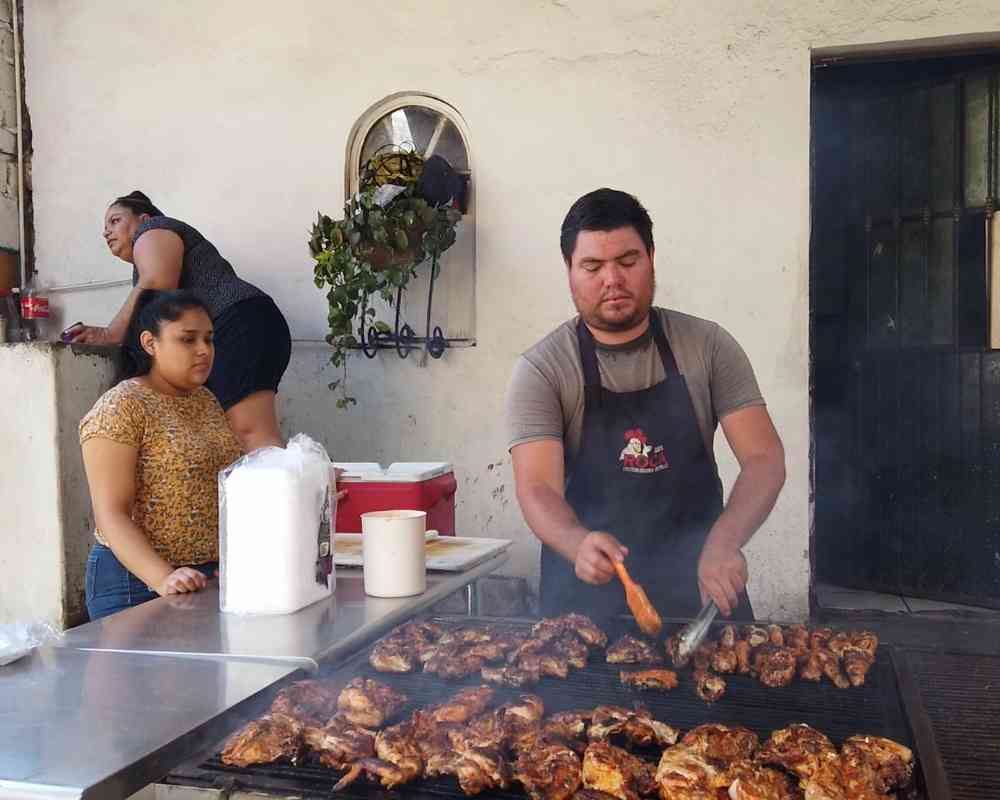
[(874, 709), (962, 697)]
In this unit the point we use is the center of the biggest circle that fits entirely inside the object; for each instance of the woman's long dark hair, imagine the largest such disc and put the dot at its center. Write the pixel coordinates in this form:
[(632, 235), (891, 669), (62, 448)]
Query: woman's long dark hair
[(152, 309), (138, 203)]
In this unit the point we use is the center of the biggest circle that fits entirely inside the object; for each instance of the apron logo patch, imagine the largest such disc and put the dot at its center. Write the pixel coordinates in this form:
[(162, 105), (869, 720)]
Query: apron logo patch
[(639, 455)]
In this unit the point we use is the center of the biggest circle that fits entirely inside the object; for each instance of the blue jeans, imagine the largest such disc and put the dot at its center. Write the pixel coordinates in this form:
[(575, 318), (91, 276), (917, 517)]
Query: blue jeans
[(110, 587)]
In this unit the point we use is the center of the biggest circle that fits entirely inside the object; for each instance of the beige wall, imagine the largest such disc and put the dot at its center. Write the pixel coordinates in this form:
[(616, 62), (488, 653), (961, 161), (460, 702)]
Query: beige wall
[(234, 115), (31, 558), (47, 525)]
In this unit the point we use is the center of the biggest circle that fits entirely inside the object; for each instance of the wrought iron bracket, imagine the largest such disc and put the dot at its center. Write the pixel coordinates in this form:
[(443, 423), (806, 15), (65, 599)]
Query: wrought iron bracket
[(401, 337)]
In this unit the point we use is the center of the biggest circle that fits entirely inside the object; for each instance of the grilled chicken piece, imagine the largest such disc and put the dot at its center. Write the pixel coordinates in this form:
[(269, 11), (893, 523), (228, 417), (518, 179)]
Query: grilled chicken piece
[(722, 743), (756, 635), (398, 761), (750, 781), (453, 662), (311, 702), (685, 774), (724, 660), (464, 635), (617, 772), (743, 653), (775, 635), (393, 655), (340, 743), (576, 624), (567, 727), (463, 706), (526, 712), (484, 732), (893, 762), (866, 641), (818, 638), (464, 651), (811, 669), (728, 636), (545, 663), (838, 643), (630, 650), (830, 665), (396, 746), (774, 665), (837, 778), (797, 639), (584, 627), (798, 748), (662, 679), (701, 659), (671, 645), (591, 794), (273, 737), (572, 649), (512, 675), (856, 665), (549, 771), (369, 703), (476, 770), (708, 686), (638, 726), (402, 649)]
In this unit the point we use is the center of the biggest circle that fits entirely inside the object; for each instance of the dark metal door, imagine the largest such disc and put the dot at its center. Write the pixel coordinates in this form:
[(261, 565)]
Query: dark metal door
[(905, 385)]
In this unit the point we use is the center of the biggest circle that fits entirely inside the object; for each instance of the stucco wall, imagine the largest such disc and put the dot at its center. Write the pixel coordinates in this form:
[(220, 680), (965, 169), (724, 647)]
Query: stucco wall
[(31, 558), (47, 522), (234, 116), (80, 377)]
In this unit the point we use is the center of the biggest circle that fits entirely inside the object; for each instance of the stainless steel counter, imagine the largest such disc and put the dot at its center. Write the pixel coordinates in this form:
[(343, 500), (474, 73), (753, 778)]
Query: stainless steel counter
[(124, 700), (103, 725), (192, 625)]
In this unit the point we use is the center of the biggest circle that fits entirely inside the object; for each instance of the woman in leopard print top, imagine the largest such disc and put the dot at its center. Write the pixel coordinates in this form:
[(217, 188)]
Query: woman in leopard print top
[(152, 448)]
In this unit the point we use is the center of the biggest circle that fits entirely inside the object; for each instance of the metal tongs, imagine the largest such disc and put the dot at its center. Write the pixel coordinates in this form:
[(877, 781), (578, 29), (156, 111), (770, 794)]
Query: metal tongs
[(694, 633)]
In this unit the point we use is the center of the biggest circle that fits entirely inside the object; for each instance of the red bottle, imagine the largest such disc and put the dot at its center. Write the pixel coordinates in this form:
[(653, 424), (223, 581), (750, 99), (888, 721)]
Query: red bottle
[(34, 312)]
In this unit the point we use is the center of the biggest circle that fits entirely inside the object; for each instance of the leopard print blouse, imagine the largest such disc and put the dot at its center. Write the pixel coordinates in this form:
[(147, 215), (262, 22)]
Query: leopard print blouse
[(183, 442)]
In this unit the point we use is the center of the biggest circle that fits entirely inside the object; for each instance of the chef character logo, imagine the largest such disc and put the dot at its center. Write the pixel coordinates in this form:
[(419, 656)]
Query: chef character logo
[(638, 455)]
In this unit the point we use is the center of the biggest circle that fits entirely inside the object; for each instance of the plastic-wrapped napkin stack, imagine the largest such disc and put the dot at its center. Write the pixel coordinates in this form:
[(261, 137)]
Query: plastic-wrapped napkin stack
[(276, 513)]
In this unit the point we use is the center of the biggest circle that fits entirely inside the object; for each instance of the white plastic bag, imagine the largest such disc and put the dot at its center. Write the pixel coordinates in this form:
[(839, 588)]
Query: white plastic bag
[(19, 638), (276, 512)]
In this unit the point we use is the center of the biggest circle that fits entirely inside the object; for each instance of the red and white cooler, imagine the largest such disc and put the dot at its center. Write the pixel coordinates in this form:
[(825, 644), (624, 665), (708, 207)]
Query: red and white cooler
[(415, 485)]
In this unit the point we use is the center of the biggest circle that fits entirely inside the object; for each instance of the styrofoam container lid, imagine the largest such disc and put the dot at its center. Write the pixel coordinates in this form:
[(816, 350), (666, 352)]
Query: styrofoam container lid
[(399, 472)]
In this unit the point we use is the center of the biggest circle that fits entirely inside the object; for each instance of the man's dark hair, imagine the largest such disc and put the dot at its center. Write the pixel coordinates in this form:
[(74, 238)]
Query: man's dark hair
[(605, 210), (152, 309), (138, 203)]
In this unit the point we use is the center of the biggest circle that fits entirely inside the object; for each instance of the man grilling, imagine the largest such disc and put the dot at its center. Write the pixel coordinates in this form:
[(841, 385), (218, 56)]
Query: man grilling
[(611, 419)]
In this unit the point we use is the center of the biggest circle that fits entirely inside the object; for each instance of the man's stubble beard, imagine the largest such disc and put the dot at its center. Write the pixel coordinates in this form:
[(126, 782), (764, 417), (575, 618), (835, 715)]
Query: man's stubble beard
[(595, 320)]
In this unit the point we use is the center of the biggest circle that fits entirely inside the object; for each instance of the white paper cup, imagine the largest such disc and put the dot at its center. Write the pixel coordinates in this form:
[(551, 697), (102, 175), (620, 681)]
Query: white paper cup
[(392, 550)]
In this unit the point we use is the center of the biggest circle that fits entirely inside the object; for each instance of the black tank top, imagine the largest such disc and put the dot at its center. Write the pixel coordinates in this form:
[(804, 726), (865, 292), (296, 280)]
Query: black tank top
[(204, 270)]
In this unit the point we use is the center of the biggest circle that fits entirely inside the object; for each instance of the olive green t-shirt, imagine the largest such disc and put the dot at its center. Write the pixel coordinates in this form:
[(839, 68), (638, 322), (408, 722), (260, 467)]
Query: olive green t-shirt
[(545, 394)]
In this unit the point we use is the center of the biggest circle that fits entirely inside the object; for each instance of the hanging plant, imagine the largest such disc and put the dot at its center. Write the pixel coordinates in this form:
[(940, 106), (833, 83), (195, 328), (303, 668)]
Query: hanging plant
[(387, 230)]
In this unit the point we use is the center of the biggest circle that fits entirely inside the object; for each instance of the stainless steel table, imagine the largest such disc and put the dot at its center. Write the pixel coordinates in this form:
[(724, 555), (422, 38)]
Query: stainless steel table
[(192, 625), (103, 725)]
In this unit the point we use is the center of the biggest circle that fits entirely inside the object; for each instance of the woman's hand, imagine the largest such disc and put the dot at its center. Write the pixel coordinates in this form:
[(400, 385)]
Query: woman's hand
[(341, 493), (181, 580), (89, 334)]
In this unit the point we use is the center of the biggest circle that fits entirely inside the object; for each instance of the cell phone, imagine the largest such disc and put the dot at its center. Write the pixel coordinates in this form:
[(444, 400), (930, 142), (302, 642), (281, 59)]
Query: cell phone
[(65, 335)]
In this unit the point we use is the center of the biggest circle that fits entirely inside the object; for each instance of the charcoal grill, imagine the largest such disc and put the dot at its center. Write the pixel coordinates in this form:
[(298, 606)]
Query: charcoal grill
[(961, 695), (880, 707)]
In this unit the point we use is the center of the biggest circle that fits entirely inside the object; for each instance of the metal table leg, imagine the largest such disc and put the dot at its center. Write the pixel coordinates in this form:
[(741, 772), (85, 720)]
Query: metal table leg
[(472, 599)]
